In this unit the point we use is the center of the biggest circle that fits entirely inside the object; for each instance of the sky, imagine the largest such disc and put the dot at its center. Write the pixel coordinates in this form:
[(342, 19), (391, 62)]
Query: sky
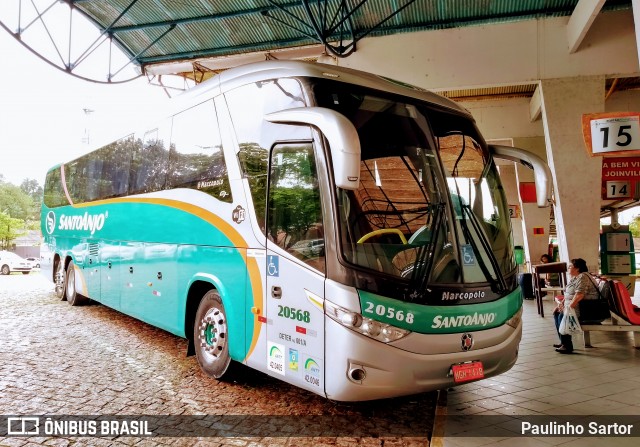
[(42, 122)]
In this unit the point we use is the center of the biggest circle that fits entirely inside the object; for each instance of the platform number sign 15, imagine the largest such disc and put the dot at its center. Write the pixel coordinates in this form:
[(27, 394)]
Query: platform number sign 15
[(615, 134)]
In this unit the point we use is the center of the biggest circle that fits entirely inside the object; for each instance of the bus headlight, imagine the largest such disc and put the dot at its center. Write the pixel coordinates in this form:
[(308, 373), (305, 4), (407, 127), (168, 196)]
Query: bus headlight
[(515, 320), (383, 332)]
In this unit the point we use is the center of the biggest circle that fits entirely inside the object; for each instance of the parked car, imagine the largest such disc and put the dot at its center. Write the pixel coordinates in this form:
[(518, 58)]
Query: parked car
[(309, 247), (35, 262), (11, 262)]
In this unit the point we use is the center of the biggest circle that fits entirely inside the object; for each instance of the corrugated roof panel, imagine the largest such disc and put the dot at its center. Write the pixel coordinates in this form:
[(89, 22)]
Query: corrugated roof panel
[(207, 27)]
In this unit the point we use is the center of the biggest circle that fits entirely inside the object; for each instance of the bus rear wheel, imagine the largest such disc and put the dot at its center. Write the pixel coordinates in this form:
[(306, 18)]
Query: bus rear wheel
[(210, 335), (72, 295), (60, 280)]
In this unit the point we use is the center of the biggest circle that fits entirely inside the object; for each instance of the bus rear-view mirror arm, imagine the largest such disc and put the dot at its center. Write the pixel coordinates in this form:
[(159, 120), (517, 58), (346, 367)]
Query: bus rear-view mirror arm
[(339, 132), (541, 171)]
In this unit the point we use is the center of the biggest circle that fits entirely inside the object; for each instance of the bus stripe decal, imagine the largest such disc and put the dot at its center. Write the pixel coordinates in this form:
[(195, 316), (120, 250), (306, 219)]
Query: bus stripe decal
[(231, 233), (63, 180)]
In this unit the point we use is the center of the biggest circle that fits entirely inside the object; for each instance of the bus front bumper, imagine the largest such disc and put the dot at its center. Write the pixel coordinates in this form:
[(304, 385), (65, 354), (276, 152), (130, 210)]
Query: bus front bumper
[(387, 371)]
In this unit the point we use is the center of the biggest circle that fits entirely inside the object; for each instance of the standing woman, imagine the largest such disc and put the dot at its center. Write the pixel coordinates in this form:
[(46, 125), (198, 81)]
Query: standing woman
[(580, 287)]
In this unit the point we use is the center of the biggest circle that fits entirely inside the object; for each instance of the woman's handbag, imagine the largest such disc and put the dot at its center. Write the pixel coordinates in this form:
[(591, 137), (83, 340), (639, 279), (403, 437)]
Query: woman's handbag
[(594, 311)]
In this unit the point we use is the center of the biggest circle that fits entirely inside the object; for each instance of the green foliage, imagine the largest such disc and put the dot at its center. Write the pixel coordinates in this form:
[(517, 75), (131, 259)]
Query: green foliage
[(10, 228), (32, 188), (15, 203), (255, 161), (294, 198), (634, 226), (19, 209)]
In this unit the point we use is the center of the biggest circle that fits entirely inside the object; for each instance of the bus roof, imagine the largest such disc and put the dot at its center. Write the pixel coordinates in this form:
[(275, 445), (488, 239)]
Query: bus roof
[(258, 71)]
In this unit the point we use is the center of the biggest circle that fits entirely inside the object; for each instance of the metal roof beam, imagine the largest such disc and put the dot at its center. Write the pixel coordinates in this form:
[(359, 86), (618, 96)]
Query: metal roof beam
[(212, 52), (581, 20), (535, 105), (205, 18)]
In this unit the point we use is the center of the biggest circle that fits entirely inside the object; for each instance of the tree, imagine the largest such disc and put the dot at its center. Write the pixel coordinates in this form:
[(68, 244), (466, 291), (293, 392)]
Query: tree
[(32, 188), (19, 209), (10, 228), (15, 203), (634, 226)]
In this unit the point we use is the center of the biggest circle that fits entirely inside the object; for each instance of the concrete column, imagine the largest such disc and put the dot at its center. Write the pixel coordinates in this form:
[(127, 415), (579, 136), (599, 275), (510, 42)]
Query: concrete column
[(636, 21), (510, 185), (577, 176), (534, 217)]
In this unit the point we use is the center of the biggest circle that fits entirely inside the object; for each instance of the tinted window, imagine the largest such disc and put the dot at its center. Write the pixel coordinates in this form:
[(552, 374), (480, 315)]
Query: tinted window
[(150, 160), (295, 210), (112, 171), (53, 192), (196, 159), (248, 105)]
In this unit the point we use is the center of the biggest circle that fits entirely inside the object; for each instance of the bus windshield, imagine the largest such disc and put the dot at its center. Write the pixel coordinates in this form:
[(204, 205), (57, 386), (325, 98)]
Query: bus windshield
[(430, 207)]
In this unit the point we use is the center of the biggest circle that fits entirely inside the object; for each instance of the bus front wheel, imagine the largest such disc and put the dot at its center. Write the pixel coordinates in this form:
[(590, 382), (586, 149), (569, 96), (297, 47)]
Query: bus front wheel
[(210, 335), (73, 297)]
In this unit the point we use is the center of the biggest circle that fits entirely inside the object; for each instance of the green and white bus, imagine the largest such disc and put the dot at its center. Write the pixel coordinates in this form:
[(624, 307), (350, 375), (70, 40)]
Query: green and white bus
[(343, 232)]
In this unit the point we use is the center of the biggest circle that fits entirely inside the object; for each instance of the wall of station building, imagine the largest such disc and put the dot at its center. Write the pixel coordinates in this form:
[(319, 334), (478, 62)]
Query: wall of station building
[(570, 84)]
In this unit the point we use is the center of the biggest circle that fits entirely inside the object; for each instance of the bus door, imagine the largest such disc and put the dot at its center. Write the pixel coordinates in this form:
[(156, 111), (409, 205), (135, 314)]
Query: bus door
[(295, 268)]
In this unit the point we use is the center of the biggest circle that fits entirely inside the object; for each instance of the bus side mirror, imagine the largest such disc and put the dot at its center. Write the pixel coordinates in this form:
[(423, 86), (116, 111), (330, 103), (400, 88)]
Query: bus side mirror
[(541, 171), (342, 136)]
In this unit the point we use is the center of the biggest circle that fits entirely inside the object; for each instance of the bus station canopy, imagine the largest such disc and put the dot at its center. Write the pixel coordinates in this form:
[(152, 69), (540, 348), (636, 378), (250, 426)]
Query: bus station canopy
[(195, 38)]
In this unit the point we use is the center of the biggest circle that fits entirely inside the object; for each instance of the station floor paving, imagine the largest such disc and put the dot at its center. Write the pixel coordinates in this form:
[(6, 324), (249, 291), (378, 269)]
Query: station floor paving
[(602, 381)]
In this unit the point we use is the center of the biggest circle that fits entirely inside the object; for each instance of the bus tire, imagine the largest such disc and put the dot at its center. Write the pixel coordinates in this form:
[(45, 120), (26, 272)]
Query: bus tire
[(210, 336), (60, 280), (5, 270), (73, 297)]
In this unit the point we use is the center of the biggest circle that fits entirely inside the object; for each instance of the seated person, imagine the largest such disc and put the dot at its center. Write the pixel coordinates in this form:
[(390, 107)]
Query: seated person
[(579, 287)]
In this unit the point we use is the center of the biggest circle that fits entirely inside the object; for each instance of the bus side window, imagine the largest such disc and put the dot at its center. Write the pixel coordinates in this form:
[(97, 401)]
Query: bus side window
[(196, 158), (295, 211), (149, 161), (247, 106), (53, 191)]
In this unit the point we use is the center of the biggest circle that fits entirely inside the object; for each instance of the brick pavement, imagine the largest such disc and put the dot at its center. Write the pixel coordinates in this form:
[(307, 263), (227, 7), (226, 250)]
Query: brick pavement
[(60, 360)]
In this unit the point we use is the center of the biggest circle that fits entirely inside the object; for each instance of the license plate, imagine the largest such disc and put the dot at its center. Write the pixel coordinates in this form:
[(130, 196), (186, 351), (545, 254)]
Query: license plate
[(466, 372)]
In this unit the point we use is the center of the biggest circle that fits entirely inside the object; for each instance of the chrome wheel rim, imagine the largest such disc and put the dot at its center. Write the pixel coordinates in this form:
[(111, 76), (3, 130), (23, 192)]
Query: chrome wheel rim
[(212, 334)]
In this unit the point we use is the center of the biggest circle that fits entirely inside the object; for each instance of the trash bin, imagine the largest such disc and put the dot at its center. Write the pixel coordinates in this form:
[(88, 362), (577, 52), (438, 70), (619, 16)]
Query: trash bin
[(518, 251)]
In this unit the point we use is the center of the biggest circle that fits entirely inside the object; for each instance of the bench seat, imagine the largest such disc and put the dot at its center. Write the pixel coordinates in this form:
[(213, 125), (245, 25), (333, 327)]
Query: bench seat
[(628, 319)]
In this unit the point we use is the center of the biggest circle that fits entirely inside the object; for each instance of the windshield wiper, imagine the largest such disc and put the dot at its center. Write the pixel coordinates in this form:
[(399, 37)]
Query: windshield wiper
[(425, 257), (498, 282)]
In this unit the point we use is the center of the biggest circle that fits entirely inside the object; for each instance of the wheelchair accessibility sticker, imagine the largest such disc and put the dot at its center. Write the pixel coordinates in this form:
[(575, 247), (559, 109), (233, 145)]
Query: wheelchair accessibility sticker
[(273, 266), (468, 257)]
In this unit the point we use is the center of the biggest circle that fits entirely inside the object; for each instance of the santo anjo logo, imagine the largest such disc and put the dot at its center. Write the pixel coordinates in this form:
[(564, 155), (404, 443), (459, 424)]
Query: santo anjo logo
[(81, 222), (51, 222)]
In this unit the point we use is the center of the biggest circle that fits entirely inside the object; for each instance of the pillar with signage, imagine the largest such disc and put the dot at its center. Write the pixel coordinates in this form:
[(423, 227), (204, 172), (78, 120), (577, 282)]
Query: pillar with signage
[(616, 137)]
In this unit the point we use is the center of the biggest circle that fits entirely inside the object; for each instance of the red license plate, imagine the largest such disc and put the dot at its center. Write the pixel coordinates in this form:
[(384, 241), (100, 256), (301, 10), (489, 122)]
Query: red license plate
[(467, 371)]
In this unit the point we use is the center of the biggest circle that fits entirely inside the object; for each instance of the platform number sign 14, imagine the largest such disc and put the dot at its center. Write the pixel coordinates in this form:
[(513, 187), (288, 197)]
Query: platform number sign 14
[(618, 190), (615, 134)]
